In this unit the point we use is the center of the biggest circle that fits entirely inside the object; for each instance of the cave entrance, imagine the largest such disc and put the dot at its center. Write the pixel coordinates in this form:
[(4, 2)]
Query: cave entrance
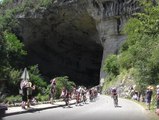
[(64, 46)]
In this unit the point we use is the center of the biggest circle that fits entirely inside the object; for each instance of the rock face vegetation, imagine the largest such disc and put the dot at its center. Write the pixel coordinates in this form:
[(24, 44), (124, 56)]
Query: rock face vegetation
[(137, 60)]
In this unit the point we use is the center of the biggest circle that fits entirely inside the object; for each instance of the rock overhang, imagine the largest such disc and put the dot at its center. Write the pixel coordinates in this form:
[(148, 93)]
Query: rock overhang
[(63, 41), (73, 37)]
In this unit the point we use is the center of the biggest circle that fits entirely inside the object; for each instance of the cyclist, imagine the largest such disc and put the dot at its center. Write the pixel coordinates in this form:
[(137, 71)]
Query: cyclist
[(114, 96), (52, 90)]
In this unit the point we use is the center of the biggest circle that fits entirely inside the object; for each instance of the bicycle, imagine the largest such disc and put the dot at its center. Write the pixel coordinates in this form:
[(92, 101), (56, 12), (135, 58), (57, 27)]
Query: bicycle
[(115, 98)]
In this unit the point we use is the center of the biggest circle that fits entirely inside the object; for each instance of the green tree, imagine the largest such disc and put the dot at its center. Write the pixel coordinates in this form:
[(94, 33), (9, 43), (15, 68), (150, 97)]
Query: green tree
[(111, 65), (11, 51), (37, 79), (14, 49)]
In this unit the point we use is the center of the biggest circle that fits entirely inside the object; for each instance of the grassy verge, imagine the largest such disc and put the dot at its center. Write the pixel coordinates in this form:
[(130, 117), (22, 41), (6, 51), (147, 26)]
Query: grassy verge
[(151, 113)]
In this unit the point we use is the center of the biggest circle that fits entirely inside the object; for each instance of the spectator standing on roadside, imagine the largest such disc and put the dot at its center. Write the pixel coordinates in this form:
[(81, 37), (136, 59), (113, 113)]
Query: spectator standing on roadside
[(23, 87), (148, 97), (52, 90)]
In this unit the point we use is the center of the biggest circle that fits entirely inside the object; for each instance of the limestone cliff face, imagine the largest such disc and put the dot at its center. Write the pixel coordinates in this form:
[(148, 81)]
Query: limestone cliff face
[(73, 37), (110, 17)]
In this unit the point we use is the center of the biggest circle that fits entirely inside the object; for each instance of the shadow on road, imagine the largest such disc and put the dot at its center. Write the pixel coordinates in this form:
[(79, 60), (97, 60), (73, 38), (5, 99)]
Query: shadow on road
[(67, 107), (118, 106)]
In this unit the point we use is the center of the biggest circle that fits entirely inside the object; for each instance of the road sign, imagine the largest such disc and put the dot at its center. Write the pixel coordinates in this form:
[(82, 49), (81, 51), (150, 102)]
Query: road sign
[(25, 75)]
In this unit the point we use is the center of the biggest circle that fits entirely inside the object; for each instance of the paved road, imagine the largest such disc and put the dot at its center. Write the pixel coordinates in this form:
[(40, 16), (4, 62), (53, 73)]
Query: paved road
[(102, 109)]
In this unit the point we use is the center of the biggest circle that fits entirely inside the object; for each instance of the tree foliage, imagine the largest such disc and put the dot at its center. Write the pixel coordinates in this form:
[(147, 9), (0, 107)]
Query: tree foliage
[(12, 51), (111, 65)]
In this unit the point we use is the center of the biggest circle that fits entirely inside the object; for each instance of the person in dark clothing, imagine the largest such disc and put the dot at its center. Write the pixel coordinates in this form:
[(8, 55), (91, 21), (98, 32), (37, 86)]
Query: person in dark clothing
[(149, 96), (114, 95), (23, 86)]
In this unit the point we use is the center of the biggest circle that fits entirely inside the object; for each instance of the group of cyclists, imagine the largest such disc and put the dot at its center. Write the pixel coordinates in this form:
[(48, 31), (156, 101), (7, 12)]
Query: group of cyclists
[(80, 94)]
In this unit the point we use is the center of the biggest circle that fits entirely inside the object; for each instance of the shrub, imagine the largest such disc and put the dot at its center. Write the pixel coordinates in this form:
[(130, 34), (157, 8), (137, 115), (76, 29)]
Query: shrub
[(13, 99), (44, 97), (111, 65)]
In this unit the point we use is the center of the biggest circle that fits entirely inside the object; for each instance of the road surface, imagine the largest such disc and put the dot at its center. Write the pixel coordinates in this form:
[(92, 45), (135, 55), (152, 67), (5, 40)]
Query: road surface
[(101, 109)]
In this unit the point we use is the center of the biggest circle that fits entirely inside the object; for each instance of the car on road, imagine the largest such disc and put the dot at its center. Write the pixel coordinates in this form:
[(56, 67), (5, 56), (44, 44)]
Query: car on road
[(3, 108)]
